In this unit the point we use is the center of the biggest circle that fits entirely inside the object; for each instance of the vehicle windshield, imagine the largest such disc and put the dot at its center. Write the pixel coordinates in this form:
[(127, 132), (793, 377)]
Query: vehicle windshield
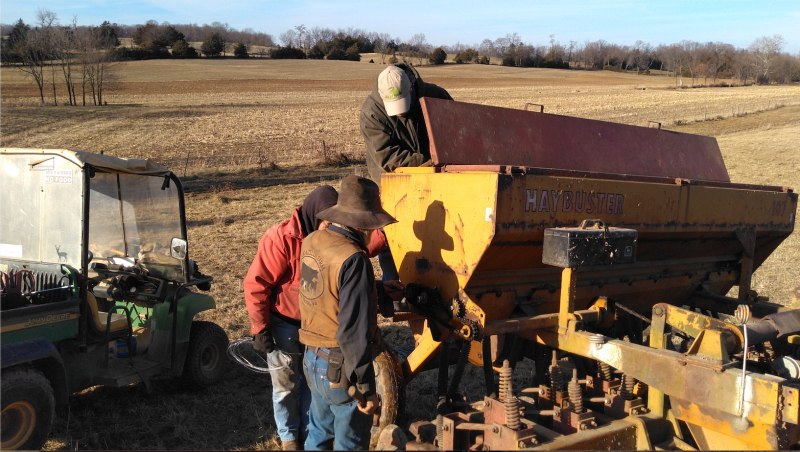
[(136, 217), (42, 203)]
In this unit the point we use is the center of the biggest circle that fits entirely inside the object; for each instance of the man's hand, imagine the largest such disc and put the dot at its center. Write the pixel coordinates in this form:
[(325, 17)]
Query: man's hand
[(394, 290), (263, 342), (370, 405)]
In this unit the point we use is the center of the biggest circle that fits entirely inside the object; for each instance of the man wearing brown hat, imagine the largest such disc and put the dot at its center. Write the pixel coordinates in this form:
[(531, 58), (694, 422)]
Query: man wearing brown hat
[(394, 129), (338, 311)]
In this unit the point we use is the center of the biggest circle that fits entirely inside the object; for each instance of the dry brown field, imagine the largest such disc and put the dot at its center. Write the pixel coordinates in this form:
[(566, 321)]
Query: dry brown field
[(253, 132)]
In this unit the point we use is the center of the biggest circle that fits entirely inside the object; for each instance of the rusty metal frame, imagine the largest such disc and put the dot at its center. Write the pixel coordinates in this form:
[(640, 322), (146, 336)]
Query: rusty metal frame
[(463, 133), (531, 171)]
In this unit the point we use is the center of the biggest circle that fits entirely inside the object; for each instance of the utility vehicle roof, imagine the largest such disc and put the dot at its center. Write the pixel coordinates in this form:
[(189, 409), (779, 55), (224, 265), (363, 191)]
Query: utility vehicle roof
[(82, 158)]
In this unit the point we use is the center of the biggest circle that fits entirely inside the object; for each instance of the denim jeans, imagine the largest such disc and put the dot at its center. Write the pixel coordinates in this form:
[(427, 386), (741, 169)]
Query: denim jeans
[(334, 415), (290, 395)]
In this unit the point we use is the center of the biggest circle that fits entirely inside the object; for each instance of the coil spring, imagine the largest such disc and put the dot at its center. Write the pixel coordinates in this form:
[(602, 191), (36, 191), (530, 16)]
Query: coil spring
[(742, 314), (556, 377), (626, 390), (505, 382), (512, 413), (606, 372), (575, 393)]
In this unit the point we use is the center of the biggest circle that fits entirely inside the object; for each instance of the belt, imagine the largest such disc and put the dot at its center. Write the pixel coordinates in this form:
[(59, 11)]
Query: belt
[(318, 351)]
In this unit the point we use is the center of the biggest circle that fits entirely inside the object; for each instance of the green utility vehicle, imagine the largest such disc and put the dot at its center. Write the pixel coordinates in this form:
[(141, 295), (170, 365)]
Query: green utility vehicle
[(95, 266)]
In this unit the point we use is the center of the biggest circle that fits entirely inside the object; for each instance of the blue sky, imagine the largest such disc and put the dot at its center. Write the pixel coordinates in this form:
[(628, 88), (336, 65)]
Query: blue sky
[(468, 22)]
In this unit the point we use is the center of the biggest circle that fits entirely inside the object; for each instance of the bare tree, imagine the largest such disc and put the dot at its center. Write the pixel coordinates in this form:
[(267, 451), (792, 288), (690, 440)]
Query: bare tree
[(65, 45), (97, 59), (33, 54), (303, 38), (691, 51), (570, 49), (419, 44), (514, 38), (288, 38), (47, 21), (764, 51), (486, 47)]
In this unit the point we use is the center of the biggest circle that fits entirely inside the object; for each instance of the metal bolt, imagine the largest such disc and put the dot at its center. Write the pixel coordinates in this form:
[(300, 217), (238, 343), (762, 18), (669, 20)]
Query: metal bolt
[(658, 310), (598, 340), (446, 428), (495, 429), (634, 412), (594, 423), (608, 401), (488, 403), (521, 444), (584, 427)]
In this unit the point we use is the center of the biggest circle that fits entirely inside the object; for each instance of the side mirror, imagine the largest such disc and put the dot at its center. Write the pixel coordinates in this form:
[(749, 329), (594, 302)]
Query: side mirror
[(177, 249)]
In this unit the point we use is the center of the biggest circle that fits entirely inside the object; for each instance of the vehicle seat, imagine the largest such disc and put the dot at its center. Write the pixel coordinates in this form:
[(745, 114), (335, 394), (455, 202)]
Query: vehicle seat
[(98, 322)]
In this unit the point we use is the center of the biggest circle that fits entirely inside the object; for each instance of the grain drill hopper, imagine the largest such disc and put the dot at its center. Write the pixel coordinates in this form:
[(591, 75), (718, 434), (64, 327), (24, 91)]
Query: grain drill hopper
[(642, 345)]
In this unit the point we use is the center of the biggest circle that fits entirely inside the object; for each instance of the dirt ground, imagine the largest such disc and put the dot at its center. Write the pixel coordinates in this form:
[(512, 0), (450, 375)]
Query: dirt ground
[(249, 137)]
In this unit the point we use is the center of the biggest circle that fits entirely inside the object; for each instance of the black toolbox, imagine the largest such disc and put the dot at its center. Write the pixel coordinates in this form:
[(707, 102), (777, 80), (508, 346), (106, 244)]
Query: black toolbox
[(592, 243)]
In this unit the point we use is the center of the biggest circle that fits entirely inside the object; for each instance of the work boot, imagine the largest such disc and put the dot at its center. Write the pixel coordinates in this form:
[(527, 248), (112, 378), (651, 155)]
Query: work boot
[(289, 445)]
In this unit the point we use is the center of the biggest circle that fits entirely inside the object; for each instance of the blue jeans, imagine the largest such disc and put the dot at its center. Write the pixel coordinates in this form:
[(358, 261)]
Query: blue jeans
[(334, 414), (290, 395)]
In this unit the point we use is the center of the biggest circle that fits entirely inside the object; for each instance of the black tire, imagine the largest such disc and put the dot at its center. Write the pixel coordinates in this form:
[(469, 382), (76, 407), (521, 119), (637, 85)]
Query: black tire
[(389, 386), (206, 357), (29, 409)]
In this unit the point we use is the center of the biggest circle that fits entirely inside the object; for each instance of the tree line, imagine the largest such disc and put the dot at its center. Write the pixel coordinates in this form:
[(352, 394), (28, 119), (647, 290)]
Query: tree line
[(84, 56), (762, 62)]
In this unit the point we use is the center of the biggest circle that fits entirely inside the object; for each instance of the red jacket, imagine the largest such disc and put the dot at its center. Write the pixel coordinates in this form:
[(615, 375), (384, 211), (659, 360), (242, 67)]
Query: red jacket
[(273, 281)]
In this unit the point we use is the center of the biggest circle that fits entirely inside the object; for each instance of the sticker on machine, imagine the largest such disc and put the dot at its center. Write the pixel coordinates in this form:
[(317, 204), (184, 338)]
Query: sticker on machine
[(9, 250), (58, 176)]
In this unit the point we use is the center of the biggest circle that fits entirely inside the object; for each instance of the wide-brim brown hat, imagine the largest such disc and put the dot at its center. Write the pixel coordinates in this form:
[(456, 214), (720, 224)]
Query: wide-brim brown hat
[(359, 205)]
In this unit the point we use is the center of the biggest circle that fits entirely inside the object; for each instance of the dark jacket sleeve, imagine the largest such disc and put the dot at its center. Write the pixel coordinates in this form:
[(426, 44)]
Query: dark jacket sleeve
[(355, 290), (384, 147)]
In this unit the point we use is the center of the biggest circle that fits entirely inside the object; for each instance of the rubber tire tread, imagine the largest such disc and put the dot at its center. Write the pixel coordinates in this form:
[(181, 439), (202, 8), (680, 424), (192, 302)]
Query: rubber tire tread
[(390, 387), (201, 334), (31, 385)]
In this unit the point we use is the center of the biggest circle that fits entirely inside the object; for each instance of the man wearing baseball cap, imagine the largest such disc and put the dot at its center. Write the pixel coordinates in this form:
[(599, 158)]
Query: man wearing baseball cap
[(394, 130), (339, 314), (392, 123)]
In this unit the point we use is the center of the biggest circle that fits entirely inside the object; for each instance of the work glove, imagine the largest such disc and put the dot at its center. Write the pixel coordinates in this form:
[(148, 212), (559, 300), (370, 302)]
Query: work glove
[(263, 342)]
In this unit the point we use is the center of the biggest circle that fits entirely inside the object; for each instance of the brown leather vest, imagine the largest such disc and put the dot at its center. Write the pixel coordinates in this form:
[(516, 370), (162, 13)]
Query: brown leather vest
[(321, 259)]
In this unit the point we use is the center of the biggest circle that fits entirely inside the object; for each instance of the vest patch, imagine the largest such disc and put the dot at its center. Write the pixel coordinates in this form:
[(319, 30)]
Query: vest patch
[(311, 282)]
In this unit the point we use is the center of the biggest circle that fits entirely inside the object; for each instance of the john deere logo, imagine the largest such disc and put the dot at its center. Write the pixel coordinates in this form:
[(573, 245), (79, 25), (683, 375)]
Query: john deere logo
[(311, 285), (394, 92)]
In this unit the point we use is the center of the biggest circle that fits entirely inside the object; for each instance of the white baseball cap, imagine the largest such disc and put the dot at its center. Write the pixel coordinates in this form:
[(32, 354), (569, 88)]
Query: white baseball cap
[(395, 90)]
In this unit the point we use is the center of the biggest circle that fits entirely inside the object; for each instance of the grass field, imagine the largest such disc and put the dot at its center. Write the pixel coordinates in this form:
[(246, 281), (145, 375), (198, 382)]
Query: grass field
[(253, 132)]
